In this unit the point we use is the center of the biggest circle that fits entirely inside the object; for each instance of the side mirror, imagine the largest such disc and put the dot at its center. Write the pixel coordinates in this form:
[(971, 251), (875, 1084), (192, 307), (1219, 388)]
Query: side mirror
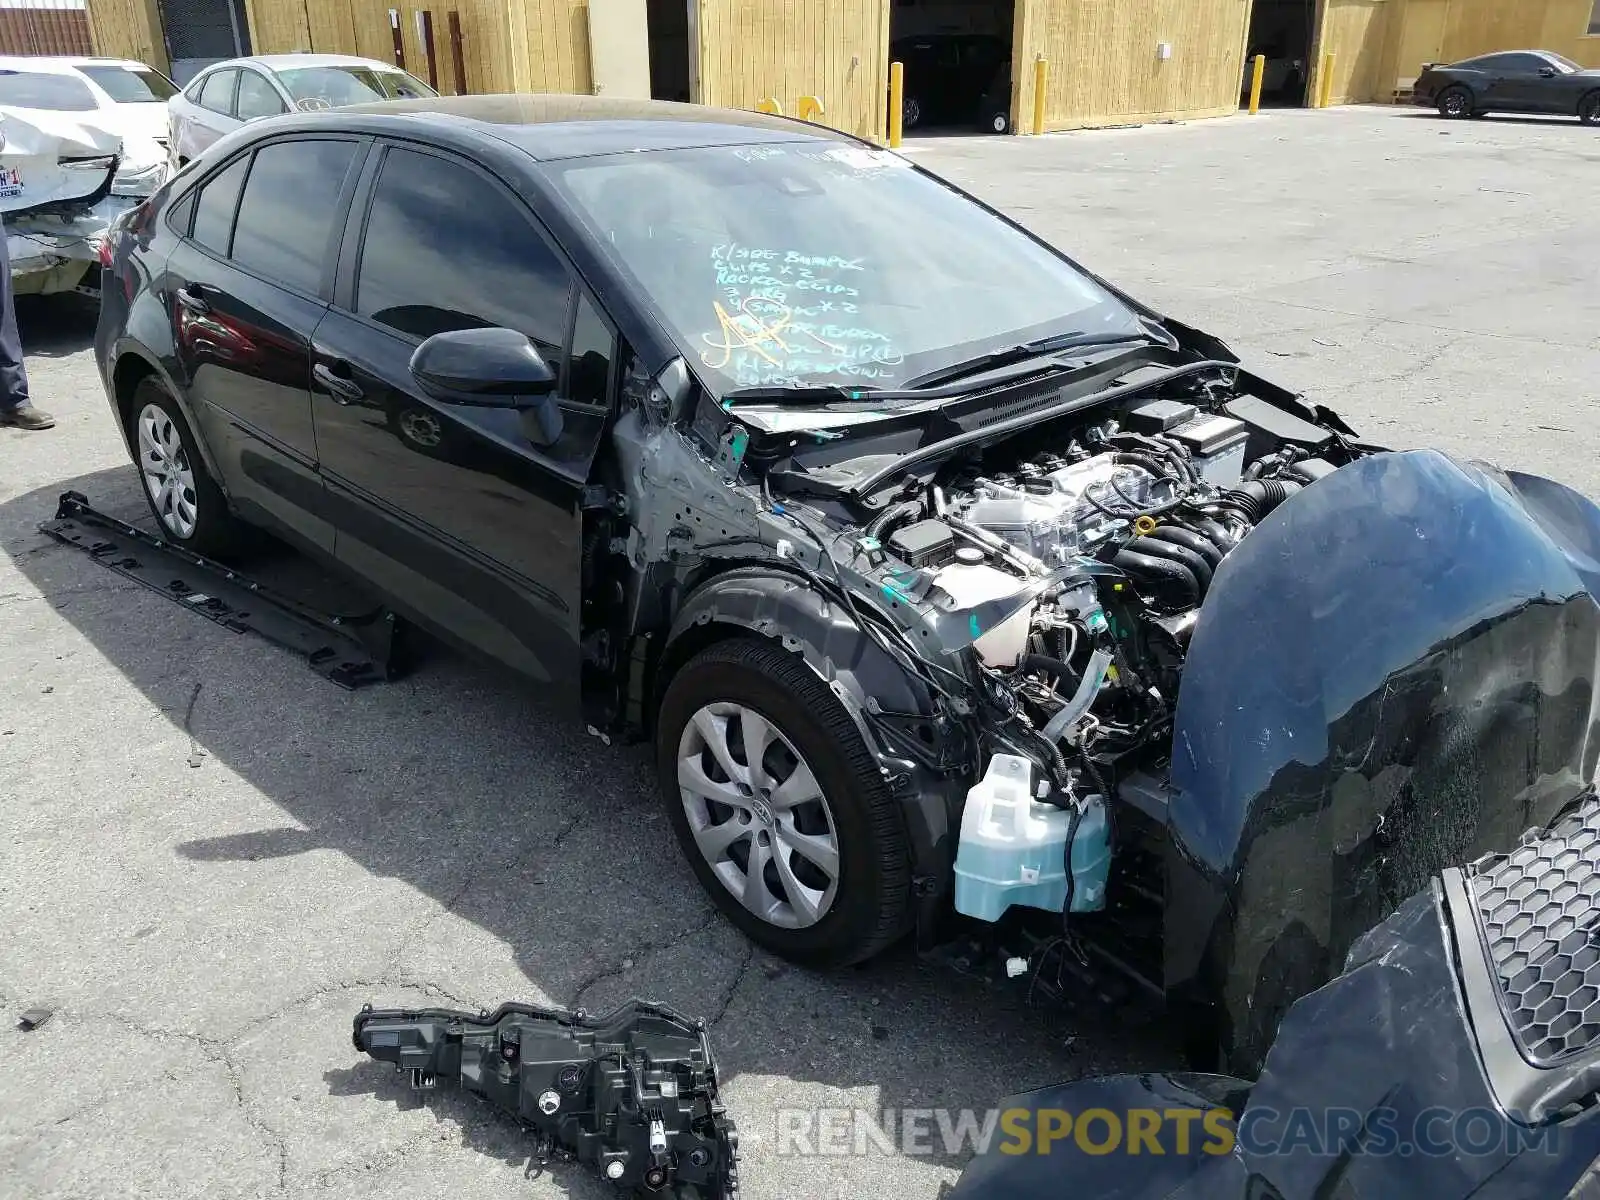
[(1547, 72), (496, 368), (491, 368)]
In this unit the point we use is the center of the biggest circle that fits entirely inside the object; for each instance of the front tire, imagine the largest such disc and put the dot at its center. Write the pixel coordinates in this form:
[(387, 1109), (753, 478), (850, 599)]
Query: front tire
[(780, 808), (187, 504), (1455, 104), (1589, 109)]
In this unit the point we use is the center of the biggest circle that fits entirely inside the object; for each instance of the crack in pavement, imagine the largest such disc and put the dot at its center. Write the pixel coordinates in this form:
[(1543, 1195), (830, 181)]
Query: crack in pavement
[(725, 1001), (632, 957)]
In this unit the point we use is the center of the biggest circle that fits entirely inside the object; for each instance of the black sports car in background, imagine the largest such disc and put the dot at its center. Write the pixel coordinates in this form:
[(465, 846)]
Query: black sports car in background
[(1514, 81), (946, 577)]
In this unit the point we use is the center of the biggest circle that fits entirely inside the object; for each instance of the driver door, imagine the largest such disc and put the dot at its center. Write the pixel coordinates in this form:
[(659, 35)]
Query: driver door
[(468, 517)]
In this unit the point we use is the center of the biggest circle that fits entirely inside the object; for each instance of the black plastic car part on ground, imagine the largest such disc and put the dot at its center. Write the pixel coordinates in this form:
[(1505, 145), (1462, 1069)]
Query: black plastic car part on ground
[(632, 1093), (727, 429), (1388, 1081)]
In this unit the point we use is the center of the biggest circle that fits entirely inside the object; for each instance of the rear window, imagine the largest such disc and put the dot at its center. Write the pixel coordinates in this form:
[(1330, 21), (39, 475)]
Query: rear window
[(132, 85), (35, 89), (335, 87)]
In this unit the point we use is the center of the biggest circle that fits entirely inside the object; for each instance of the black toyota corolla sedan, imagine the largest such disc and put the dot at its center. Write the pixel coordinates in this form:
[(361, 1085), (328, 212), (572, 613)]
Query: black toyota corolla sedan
[(957, 589)]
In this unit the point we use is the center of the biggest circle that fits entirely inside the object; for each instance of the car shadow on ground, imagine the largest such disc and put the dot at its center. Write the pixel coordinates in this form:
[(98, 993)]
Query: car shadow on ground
[(1430, 114), (499, 807), (56, 326)]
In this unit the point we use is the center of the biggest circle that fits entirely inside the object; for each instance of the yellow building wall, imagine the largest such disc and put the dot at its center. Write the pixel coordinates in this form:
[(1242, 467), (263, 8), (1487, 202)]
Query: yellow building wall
[(128, 29), (836, 50), (1104, 68), (507, 45), (1451, 30), (1357, 34)]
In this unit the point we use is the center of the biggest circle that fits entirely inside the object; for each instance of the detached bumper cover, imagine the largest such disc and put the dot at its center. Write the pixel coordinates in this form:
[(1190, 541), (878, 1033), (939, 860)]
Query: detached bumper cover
[(1394, 674), (1376, 1087)]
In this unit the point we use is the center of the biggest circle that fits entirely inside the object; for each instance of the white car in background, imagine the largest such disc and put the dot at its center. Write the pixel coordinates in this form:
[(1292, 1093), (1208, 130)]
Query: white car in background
[(227, 94), (129, 98)]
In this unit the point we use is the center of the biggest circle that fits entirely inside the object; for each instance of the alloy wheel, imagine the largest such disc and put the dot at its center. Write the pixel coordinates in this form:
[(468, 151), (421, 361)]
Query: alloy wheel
[(168, 475), (421, 428), (1455, 105), (758, 815)]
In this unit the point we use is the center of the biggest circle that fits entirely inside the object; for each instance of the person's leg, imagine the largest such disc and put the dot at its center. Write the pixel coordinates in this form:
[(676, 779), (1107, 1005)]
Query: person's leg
[(15, 406)]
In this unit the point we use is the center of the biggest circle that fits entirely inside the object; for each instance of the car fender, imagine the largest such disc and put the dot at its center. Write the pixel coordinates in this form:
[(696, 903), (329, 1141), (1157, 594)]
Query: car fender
[(900, 722), (128, 347)]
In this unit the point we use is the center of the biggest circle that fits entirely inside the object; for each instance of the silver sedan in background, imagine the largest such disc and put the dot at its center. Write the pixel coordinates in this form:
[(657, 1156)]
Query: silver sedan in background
[(227, 94)]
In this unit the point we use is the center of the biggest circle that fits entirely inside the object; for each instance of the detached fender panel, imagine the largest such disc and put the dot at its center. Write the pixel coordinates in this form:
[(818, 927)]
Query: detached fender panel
[(1394, 673), (899, 721)]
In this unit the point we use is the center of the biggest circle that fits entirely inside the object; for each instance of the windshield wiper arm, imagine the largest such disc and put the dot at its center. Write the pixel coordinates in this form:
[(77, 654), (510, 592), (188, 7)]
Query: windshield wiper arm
[(943, 383), (1040, 348)]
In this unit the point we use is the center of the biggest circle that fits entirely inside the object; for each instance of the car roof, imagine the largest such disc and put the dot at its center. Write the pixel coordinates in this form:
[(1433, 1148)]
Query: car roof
[(62, 64), (288, 62), (552, 127)]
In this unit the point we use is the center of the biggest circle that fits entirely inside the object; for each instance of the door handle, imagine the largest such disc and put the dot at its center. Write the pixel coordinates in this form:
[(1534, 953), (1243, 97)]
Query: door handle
[(192, 298), (344, 391)]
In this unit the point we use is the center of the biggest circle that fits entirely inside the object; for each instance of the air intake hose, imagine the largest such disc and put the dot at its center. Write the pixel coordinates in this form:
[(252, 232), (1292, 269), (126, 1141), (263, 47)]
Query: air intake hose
[(1257, 498), (1174, 581), (893, 517)]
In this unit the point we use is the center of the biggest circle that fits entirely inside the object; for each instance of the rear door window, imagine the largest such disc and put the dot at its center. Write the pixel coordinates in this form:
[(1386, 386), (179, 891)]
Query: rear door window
[(216, 93), (287, 213), (213, 211), (257, 97), (447, 248)]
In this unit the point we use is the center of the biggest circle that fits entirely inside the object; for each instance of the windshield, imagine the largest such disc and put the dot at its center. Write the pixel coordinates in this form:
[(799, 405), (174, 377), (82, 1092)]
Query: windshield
[(337, 86), (808, 265), (1566, 65), (35, 89), (132, 85)]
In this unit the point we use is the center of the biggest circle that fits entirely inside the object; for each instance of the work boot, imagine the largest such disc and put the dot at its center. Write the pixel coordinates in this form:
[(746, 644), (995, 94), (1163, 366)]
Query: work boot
[(26, 417)]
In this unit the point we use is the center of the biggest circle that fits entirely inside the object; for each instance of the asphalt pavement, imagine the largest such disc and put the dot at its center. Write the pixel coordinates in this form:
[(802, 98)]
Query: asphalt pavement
[(210, 858)]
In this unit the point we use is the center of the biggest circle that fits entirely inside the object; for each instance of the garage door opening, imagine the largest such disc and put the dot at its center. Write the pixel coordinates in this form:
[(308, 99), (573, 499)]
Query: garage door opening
[(668, 22), (957, 59), (1281, 30)]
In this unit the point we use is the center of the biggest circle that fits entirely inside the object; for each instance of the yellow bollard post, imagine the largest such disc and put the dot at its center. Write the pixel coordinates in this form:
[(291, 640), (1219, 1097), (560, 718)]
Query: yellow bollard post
[(897, 104), (1325, 90), (1041, 89), (1256, 81), (808, 108), (768, 105)]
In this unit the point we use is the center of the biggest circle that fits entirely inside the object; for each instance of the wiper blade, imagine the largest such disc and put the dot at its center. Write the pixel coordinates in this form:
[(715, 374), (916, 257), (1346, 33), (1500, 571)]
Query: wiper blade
[(1040, 348)]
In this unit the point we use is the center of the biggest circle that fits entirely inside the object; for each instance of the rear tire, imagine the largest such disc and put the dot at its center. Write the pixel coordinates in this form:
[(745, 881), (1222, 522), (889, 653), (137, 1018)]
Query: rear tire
[(1455, 103), (910, 113), (728, 819), (188, 506), (1589, 109)]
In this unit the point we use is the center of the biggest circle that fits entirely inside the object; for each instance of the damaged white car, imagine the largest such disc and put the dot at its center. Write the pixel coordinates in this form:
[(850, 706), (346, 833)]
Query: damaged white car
[(56, 169)]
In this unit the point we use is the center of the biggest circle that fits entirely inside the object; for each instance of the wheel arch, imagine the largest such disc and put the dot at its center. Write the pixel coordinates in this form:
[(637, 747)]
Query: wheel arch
[(900, 722), (131, 366)]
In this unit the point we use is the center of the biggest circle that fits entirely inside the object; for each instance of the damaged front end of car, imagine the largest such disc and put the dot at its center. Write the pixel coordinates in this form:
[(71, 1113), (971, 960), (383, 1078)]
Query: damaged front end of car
[(1142, 643)]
